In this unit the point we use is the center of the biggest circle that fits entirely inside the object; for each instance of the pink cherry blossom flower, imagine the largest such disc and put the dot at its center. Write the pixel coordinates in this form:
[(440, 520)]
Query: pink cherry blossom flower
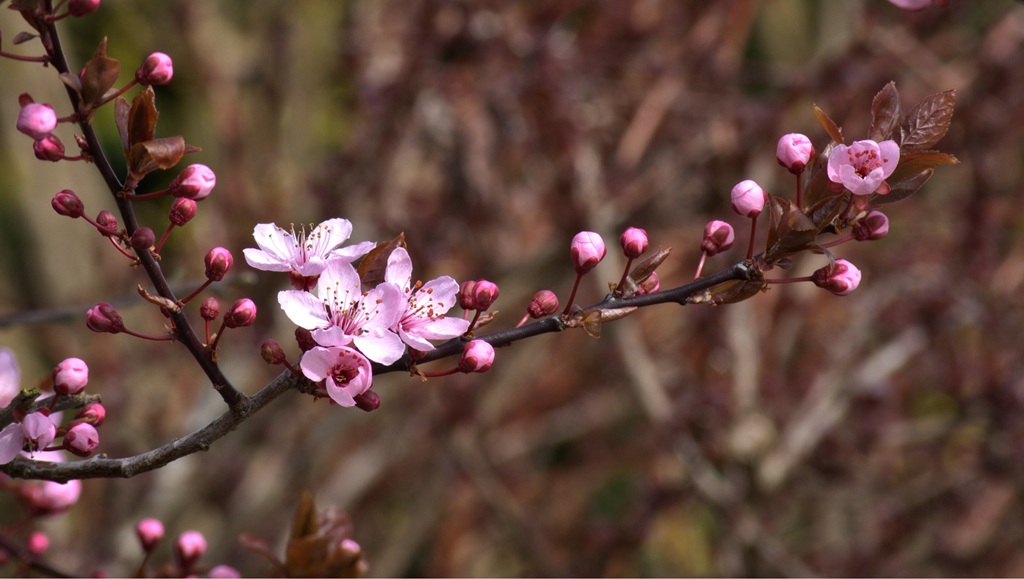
[(863, 166), (303, 253), (340, 314), (347, 372), (425, 307)]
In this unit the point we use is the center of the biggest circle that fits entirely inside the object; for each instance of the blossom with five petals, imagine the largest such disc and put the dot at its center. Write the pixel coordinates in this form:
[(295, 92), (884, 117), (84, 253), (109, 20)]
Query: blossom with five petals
[(305, 254), (863, 166), (425, 304), (341, 315)]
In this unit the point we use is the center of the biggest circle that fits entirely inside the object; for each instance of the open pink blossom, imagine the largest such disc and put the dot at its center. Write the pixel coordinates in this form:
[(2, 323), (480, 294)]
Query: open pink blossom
[(347, 372), (863, 166), (341, 314), (304, 253), (425, 304)]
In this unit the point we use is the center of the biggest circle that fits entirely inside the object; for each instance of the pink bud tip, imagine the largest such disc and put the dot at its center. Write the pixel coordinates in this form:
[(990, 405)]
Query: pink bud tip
[(242, 313), (218, 261), (36, 120), (150, 532), (587, 250), (718, 237), (748, 198), (157, 69), (477, 356), (649, 285), (67, 203), (484, 294), (81, 439), (794, 152), (182, 211), (195, 182), (272, 353), (142, 239), (104, 318), (544, 303), (368, 401), (70, 376), (223, 572), (49, 148), (840, 279), (38, 544), (94, 413), (78, 8), (189, 547), (874, 225), (633, 242)]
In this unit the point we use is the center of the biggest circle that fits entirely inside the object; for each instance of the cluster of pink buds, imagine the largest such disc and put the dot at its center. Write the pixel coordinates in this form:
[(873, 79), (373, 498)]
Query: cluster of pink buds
[(189, 548)]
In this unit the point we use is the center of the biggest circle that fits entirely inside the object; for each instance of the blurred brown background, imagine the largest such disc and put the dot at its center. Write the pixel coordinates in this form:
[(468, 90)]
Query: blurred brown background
[(794, 434)]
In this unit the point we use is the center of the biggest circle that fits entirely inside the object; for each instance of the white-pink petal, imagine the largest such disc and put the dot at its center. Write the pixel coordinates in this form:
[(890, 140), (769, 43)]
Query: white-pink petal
[(303, 309)]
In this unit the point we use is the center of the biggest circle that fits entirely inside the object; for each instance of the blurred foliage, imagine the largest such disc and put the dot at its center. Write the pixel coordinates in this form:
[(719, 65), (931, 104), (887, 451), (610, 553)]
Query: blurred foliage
[(796, 433)]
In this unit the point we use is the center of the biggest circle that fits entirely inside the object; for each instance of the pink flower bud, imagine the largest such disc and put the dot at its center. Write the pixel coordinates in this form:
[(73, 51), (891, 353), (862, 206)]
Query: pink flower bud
[(911, 4), (368, 401), (189, 547), (209, 309), (587, 250), (70, 376), (223, 572), (477, 356), (195, 182), (304, 339), (107, 221), (182, 211), (649, 285), (840, 279), (81, 439), (544, 303), (484, 294), (794, 152), (36, 120), (150, 532), (48, 497), (874, 225), (38, 430), (633, 242), (78, 8), (218, 261), (94, 413), (66, 203), (142, 239), (104, 318), (272, 353), (748, 198), (157, 69), (242, 313), (466, 300), (718, 237), (49, 148), (38, 543)]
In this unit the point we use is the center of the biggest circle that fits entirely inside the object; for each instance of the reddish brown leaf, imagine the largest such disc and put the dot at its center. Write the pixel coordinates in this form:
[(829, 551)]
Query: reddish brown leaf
[(790, 230), (121, 116), (371, 269), (148, 156), (825, 211), (142, 118), (829, 125), (99, 75), (304, 522), (928, 122), (734, 291), (903, 189), (818, 185), (885, 113), (72, 81), (23, 37)]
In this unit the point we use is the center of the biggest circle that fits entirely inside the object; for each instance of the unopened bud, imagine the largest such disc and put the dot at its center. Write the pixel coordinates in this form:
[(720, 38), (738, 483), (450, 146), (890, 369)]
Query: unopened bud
[(79, 8), (49, 148), (70, 376), (209, 309), (195, 182), (794, 152), (81, 439), (718, 237), (108, 222), (66, 203), (104, 318), (748, 198), (477, 356), (242, 313), (142, 239), (272, 353), (189, 547), (841, 278), (367, 401), (587, 249), (157, 69), (484, 294), (36, 120), (466, 300), (633, 242), (150, 533), (218, 261), (94, 413), (874, 225), (223, 572), (182, 211), (38, 544), (544, 303)]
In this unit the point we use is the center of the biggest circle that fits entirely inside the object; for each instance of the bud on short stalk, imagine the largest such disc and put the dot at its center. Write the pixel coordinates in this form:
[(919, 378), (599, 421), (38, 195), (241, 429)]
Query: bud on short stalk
[(194, 182), (70, 377), (182, 211), (477, 356), (104, 318), (242, 313), (718, 237), (587, 249), (544, 303), (633, 242), (49, 148), (218, 261), (66, 203), (142, 239), (81, 439), (157, 69), (150, 533), (209, 309), (748, 198), (484, 294), (36, 120), (840, 278), (189, 548), (794, 152), (272, 353), (94, 413)]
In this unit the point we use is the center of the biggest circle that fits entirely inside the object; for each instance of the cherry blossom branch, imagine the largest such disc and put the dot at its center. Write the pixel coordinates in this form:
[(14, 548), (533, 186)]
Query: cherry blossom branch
[(184, 332)]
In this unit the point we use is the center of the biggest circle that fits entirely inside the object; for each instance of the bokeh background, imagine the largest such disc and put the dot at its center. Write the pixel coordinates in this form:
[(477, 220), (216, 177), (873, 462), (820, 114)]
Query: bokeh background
[(797, 433)]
